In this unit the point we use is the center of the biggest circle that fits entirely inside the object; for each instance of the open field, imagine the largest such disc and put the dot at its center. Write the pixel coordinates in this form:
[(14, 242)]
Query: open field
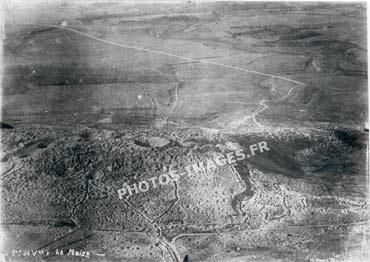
[(106, 93)]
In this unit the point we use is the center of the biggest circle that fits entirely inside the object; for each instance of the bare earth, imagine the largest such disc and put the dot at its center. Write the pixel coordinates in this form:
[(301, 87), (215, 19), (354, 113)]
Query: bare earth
[(106, 93)]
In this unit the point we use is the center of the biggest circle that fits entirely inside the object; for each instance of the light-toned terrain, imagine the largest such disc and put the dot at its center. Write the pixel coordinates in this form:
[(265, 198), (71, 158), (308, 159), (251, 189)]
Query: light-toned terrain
[(106, 93)]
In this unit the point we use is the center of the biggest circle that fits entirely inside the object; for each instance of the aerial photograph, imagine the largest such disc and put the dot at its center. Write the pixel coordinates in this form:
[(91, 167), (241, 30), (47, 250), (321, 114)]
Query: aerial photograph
[(184, 131)]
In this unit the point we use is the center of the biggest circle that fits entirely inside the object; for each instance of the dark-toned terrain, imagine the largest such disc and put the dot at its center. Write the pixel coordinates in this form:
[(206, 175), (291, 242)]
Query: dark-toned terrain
[(96, 94)]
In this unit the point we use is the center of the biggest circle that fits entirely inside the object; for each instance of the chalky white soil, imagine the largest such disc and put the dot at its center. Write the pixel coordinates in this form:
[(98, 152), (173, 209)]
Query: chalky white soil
[(106, 93)]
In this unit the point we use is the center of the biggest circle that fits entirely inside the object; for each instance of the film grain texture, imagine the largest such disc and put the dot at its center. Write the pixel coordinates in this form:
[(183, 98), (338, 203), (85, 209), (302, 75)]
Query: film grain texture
[(178, 131)]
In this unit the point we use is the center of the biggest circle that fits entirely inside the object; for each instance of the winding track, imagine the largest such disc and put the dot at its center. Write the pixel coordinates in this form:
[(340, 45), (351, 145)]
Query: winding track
[(170, 245), (263, 104), (165, 53), (253, 116)]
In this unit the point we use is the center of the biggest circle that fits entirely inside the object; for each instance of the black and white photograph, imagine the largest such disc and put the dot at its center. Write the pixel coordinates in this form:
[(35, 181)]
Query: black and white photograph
[(184, 131)]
